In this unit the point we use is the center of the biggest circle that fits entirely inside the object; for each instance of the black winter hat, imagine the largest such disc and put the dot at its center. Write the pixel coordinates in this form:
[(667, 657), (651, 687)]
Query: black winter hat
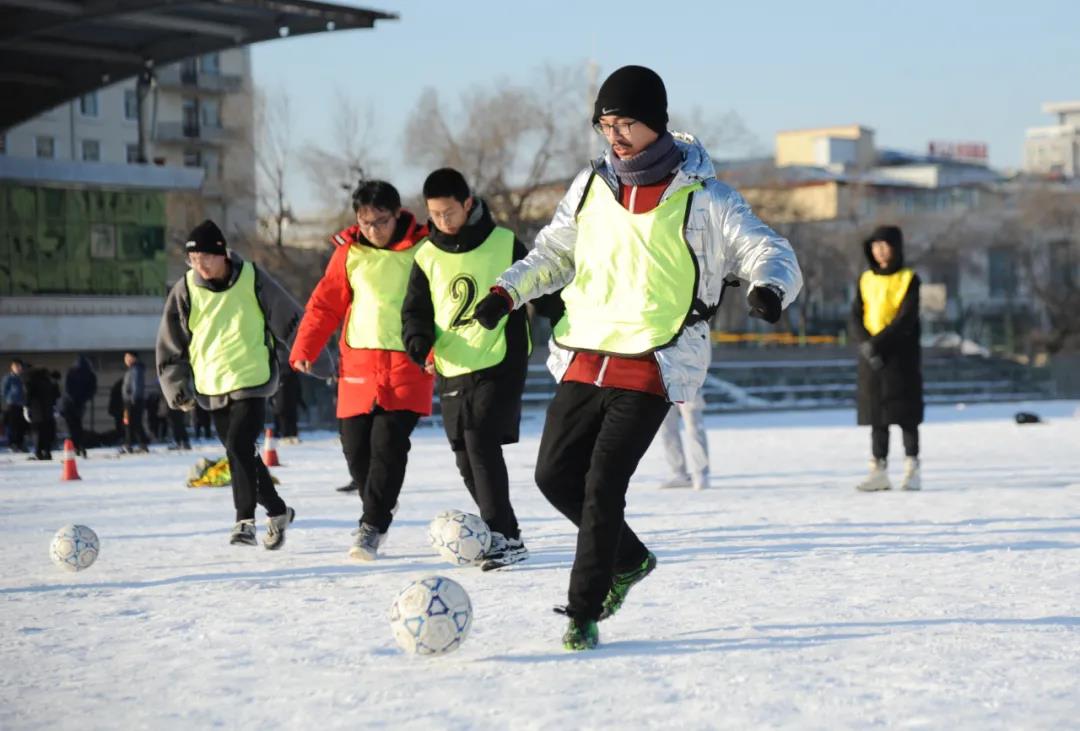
[(207, 238), (634, 91)]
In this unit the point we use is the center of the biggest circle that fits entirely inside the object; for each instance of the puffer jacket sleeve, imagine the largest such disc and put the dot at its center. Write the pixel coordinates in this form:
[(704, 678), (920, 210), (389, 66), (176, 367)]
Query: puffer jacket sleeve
[(550, 265), (756, 253), (171, 349), (418, 311), (282, 314), (325, 310)]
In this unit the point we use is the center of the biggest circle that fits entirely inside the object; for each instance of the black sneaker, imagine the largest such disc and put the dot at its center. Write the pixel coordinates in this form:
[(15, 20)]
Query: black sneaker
[(275, 529), (243, 533), (621, 583), (503, 552), (351, 487)]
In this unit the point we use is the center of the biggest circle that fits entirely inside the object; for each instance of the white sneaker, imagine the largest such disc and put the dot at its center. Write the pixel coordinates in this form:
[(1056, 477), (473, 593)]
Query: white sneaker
[(677, 481), (275, 529), (700, 482), (912, 478), (877, 480)]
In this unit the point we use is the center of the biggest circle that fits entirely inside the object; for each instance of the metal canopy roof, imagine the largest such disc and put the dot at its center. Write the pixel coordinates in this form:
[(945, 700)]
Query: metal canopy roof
[(55, 50)]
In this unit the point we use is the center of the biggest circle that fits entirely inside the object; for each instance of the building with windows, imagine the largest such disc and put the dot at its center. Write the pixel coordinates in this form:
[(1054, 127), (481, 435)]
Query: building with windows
[(199, 114), (1054, 150)]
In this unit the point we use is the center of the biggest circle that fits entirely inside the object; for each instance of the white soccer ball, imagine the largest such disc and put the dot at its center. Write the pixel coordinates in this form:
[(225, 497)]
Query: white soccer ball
[(74, 548), (462, 539), (434, 530), (431, 616)]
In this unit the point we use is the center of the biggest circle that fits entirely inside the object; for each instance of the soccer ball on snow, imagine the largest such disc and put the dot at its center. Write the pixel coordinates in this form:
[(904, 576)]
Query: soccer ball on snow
[(74, 548), (461, 538), (434, 529), (431, 616)]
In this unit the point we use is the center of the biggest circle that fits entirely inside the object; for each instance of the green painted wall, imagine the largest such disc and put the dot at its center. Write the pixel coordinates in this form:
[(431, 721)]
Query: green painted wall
[(79, 241)]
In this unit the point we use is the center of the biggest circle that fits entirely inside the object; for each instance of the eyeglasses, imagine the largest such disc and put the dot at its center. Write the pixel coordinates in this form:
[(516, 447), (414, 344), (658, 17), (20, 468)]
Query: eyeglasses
[(622, 129), (377, 223)]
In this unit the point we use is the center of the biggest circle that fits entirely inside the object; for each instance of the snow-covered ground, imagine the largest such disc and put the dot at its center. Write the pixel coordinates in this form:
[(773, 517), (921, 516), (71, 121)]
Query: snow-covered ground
[(783, 598)]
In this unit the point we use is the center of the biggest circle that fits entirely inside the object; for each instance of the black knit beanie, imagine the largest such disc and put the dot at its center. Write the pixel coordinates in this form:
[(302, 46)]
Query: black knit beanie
[(636, 92), (207, 238)]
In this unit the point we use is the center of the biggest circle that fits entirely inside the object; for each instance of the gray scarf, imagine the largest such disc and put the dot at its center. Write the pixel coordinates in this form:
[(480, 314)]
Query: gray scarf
[(651, 165)]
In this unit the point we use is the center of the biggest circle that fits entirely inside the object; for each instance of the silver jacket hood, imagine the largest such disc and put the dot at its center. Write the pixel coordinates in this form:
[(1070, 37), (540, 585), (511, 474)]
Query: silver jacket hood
[(724, 234)]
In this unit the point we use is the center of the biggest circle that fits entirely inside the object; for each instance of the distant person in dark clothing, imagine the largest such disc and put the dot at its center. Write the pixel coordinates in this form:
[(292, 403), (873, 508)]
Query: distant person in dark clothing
[(286, 404), (116, 407), (156, 416), (80, 385), (178, 426), (42, 393), (202, 423), (14, 393), (885, 324), (133, 392)]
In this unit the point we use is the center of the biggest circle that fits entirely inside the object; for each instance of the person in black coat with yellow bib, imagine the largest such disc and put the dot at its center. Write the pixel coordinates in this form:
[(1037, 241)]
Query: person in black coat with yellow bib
[(885, 324)]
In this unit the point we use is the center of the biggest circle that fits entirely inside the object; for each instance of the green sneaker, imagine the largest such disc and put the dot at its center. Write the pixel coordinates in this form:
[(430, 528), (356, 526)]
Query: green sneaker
[(621, 583), (582, 634)]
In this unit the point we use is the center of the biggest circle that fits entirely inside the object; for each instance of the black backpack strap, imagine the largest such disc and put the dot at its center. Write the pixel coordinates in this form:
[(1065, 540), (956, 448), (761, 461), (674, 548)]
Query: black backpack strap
[(701, 312)]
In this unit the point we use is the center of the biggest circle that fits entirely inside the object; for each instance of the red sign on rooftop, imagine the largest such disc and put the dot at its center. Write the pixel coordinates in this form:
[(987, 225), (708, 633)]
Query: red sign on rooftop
[(977, 152)]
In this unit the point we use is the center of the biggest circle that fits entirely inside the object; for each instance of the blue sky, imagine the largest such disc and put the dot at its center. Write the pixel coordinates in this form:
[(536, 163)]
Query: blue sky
[(913, 71)]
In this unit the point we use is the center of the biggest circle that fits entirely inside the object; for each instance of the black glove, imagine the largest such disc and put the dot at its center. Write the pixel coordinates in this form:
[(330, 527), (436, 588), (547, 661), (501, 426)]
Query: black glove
[(418, 349), (491, 309), (867, 351), (765, 304)]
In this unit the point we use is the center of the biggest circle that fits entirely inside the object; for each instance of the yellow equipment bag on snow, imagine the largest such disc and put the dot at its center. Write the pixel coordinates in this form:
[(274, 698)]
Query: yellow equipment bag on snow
[(213, 473)]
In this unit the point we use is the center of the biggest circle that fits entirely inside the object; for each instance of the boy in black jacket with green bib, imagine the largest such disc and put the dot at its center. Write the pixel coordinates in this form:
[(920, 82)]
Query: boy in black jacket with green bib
[(481, 371)]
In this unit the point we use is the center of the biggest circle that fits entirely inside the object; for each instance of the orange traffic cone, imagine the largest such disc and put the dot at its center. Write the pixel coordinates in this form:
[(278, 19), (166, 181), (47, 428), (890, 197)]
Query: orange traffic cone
[(70, 471), (269, 454)]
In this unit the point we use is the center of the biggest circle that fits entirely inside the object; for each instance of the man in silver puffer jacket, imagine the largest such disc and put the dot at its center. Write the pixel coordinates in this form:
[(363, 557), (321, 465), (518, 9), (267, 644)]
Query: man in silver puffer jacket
[(639, 246)]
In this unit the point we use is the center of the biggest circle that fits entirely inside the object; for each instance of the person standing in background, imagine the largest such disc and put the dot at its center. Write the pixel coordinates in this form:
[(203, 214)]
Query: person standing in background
[(133, 393), (14, 392), (80, 385), (885, 324), (688, 455)]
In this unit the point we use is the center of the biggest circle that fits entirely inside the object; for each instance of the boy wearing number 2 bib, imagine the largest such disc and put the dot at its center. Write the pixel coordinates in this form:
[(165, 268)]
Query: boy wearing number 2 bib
[(481, 372)]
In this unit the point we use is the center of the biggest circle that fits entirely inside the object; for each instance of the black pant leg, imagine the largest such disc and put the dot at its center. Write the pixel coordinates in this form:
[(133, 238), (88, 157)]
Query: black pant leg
[(179, 428), (879, 441), (390, 446), (355, 432), (911, 439), (43, 432), (289, 419), (239, 425), (16, 424), (570, 427), (630, 422), (573, 423), (134, 430), (73, 415), (461, 459), (492, 482)]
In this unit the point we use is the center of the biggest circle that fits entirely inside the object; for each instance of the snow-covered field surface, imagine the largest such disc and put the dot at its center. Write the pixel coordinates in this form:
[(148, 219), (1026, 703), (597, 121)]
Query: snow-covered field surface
[(783, 598)]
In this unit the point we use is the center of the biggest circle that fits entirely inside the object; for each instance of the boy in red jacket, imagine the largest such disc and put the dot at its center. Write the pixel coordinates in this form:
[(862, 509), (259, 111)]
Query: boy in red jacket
[(381, 392)]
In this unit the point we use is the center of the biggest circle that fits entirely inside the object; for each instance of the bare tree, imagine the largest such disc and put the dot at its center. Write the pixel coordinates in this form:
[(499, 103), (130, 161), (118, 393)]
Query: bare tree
[(512, 142), (1049, 222), (335, 170), (725, 136), (273, 155)]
